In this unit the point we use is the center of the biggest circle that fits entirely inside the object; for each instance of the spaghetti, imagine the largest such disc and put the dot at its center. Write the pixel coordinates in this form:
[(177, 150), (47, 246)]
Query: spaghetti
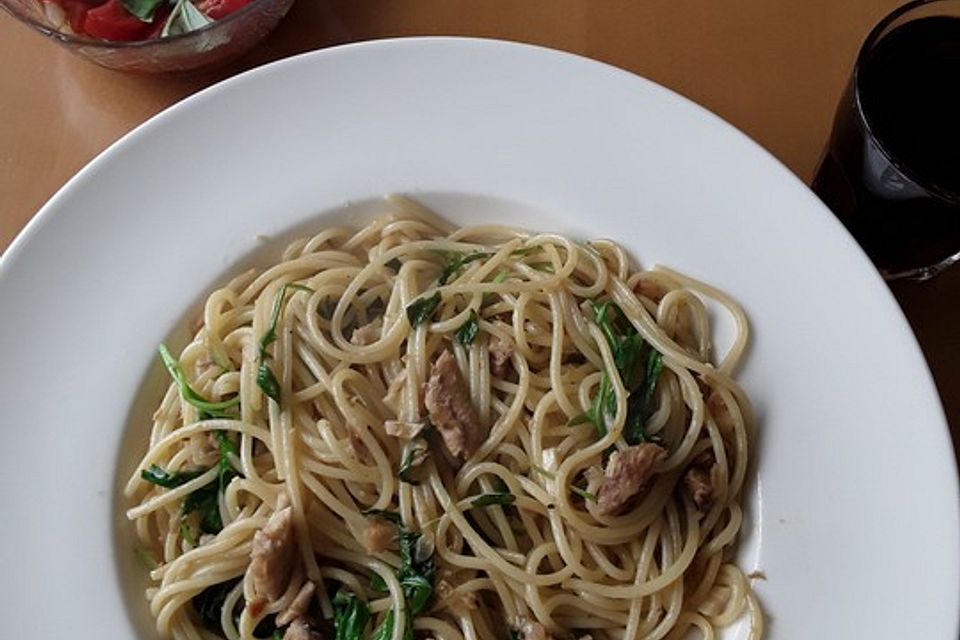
[(420, 431)]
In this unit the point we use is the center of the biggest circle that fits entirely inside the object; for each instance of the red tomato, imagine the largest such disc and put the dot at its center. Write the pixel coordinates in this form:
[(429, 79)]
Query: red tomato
[(216, 9), (76, 11), (111, 21), (160, 19)]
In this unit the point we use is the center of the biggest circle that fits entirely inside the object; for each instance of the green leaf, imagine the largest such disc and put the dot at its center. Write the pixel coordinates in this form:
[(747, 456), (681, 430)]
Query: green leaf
[(488, 499), (162, 478), (408, 540), (187, 534), (546, 474), (456, 263), (146, 559), (227, 449), (326, 308), (627, 357), (411, 452), (385, 630), (638, 366), (468, 331), (271, 334), (421, 309), (583, 493), (213, 409), (391, 516), (583, 418), (209, 603), (654, 368), (205, 500), (545, 267), (266, 379), (184, 18), (350, 616), (604, 407), (640, 404), (268, 382), (415, 577), (602, 316), (205, 504), (377, 584), (418, 590), (142, 9)]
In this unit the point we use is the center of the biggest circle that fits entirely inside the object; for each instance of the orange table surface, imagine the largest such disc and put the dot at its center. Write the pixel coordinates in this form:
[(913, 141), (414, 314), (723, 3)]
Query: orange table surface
[(773, 69)]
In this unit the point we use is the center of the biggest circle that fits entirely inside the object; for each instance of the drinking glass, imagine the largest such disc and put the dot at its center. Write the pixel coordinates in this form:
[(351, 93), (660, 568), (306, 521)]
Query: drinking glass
[(891, 170)]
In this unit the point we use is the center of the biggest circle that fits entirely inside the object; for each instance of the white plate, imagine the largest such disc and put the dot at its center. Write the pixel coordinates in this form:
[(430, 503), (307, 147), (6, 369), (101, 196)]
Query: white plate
[(855, 518)]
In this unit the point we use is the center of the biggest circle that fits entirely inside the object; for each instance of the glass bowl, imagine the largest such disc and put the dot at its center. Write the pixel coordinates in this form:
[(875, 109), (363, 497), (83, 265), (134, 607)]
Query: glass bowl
[(212, 45)]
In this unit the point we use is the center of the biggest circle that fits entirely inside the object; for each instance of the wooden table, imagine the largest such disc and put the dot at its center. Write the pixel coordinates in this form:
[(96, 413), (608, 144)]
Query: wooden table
[(773, 69)]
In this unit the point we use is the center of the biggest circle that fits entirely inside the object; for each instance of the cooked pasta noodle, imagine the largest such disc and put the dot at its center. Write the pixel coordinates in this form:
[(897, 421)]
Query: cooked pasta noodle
[(420, 431)]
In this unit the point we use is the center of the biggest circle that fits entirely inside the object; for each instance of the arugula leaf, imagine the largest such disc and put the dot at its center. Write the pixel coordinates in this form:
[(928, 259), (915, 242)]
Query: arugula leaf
[(418, 590), (583, 418), (583, 493), (227, 448), (421, 309), (162, 478), (654, 369), (547, 474), (602, 409), (416, 577), (326, 308), (627, 356), (391, 516), (142, 9), (209, 603), (146, 558), (640, 404), (350, 616), (467, 332), (414, 453), (187, 534), (271, 334), (456, 263), (385, 630), (205, 503), (268, 382), (638, 365), (488, 499), (213, 409), (377, 584)]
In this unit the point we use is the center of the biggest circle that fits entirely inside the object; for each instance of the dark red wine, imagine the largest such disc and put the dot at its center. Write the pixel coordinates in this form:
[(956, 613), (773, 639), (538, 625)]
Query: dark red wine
[(909, 94), (892, 170)]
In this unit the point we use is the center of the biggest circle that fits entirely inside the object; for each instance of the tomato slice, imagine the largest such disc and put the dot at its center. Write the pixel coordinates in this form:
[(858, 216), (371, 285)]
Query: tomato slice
[(76, 11), (216, 9), (111, 21)]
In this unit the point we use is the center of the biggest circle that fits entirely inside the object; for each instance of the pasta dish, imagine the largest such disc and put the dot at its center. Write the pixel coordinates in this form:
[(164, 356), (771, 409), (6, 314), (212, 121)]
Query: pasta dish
[(414, 431)]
